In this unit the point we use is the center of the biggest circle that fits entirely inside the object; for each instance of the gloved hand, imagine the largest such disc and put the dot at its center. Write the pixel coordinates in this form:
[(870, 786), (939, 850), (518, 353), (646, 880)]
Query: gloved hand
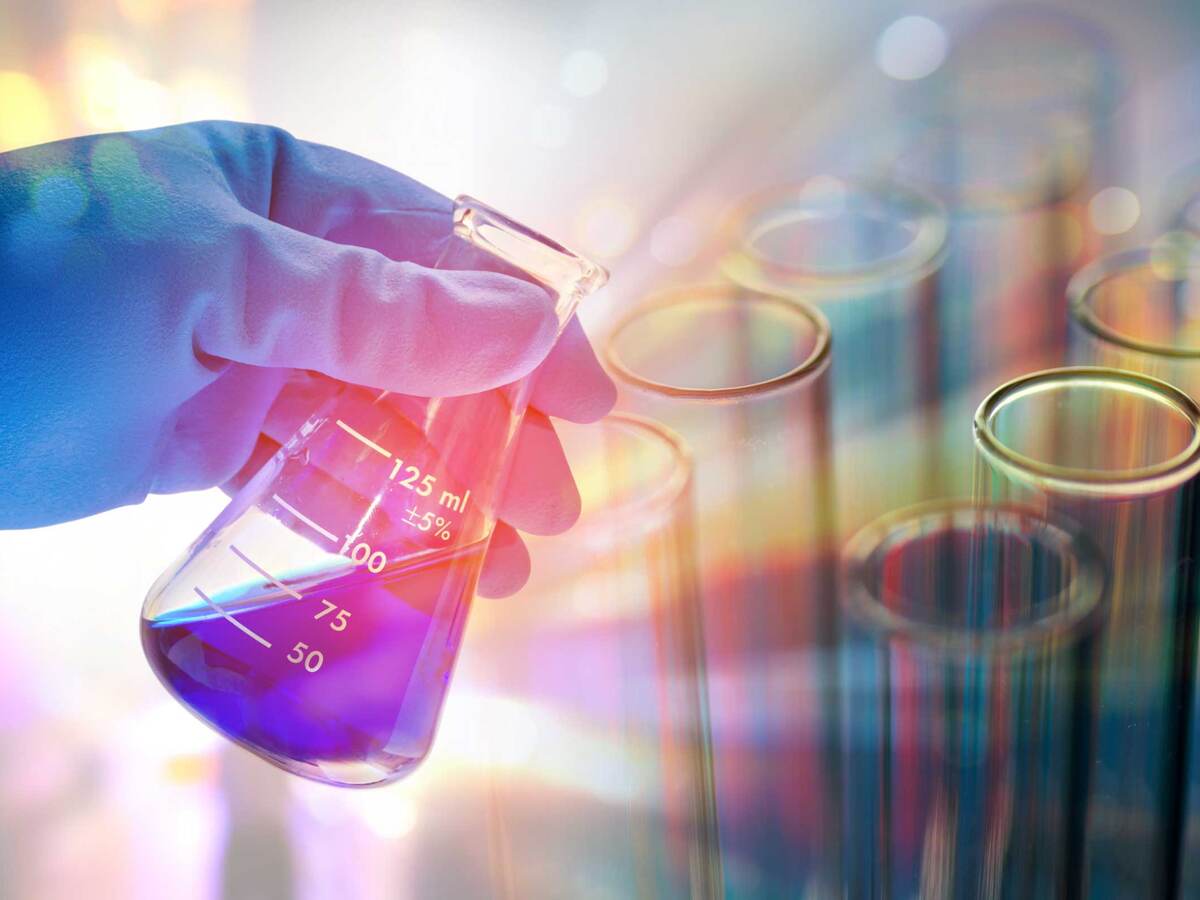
[(161, 293)]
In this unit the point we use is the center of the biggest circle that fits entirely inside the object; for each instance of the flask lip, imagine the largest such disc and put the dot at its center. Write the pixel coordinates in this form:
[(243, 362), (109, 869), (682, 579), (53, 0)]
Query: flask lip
[(539, 256)]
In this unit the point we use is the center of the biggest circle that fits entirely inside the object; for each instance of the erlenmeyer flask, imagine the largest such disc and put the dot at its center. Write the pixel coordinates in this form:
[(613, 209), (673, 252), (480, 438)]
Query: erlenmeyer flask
[(316, 621)]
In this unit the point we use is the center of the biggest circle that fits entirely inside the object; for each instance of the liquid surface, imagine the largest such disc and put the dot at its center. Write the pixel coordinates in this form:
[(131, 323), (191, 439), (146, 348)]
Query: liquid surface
[(353, 679)]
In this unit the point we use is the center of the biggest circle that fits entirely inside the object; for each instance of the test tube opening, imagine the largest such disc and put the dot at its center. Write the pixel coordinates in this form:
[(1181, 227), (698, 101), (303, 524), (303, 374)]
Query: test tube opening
[(973, 581), (632, 472), (1091, 430), (830, 236), (1146, 301), (718, 343)]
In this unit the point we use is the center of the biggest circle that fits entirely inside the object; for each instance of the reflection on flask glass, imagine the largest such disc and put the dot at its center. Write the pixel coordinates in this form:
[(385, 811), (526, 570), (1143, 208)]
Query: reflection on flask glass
[(317, 620)]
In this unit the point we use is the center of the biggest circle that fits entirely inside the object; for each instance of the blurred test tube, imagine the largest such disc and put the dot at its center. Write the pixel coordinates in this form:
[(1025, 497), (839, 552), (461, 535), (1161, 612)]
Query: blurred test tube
[(743, 377), (969, 694), (1119, 452), (1013, 133), (1140, 310), (600, 662), (867, 254)]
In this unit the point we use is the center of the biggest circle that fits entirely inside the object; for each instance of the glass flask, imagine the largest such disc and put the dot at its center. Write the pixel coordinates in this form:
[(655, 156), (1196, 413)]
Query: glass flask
[(316, 621)]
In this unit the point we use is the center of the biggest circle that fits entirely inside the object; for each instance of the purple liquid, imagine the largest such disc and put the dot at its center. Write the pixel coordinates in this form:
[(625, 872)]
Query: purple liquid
[(359, 701)]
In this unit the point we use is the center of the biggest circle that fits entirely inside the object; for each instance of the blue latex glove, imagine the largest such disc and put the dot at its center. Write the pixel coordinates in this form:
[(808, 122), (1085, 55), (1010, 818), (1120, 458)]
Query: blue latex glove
[(164, 292)]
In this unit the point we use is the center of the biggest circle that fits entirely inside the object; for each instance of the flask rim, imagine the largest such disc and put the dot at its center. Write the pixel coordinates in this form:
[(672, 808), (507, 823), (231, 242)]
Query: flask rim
[(569, 273)]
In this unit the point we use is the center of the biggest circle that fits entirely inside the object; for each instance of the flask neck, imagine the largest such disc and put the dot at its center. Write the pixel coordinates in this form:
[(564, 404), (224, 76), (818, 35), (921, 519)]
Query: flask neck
[(568, 275)]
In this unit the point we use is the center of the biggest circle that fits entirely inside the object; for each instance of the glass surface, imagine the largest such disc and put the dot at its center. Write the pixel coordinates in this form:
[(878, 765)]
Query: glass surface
[(684, 345), (760, 433), (1140, 310), (965, 625), (316, 622), (1118, 453), (630, 751)]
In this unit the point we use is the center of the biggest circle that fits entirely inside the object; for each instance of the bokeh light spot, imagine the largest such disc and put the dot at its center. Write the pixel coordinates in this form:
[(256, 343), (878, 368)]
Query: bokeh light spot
[(911, 48), (26, 116), (674, 241), (60, 197), (1114, 210), (584, 73), (113, 160)]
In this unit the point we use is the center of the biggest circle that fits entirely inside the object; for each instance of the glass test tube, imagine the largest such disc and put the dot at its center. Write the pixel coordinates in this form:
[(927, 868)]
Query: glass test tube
[(743, 377), (868, 255), (604, 651), (968, 697), (1140, 310), (1013, 134), (1118, 452)]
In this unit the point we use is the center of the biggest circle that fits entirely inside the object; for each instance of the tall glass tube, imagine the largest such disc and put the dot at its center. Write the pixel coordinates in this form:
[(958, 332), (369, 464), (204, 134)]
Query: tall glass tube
[(575, 754), (1013, 134), (1140, 310), (606, 651), (969, 699), (743, 377), (1119, 453), (867, 254)]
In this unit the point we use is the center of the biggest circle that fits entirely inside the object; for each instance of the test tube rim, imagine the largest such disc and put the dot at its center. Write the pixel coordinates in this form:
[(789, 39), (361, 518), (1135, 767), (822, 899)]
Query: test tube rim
[(665, 495), (924, 253), (1140, 481), (1081, 291), (1074, 616), (810, 367)]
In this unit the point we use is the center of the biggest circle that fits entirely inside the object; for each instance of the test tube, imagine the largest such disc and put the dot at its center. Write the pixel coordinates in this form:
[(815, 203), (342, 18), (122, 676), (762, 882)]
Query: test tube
[(1013, 134), (742, 376), (1118, 452), (604, 651), (969, 693), (867, 254), (1140, 310)]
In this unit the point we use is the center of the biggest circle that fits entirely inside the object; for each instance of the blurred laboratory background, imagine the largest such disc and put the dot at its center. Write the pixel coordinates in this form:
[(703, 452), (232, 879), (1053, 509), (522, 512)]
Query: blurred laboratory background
[(833, 229)]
